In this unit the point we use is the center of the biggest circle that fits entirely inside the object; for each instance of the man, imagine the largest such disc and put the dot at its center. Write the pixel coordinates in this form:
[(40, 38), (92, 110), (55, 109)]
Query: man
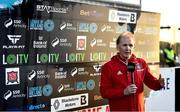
[(169, 55), (116, 82)]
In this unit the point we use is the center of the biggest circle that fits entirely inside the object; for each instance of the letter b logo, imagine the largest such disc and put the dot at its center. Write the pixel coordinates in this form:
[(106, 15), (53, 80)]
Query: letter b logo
[(83, 100), (133, 18)]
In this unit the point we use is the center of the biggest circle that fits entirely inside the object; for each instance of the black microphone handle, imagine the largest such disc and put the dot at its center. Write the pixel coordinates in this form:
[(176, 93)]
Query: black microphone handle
[(132, 77)]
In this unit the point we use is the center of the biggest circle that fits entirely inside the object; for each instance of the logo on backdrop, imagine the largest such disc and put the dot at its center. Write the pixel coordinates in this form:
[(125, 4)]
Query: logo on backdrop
[(37, 106), (55, 42), (75, 57), (74, 71), (40, 43), (81, 43), (79, 71), (48, 25), (69, 102), (65, 87), (14, 38), (60, 88), (97, 42), (15, 23), (107, 28), (93, 13), (90, 84), (31, 75), (93, 27), (67, 26), (80, 85), (50, 9), (98, 56), (122, 28), (14, 94), (112, 43), (62, 42), (12, 76), (84, 85), (15, 59), (62, 25), (56, 104), (8, 22), (48, 58), (97, 67), (87, 27), (40, 90), (47, 90), (38, 74), (122, 16), (7, 95), (61, 73), (93, 42)]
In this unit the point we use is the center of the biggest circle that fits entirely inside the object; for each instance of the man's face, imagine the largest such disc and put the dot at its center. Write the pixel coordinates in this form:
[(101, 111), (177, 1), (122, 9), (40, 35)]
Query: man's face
[(125, 47)]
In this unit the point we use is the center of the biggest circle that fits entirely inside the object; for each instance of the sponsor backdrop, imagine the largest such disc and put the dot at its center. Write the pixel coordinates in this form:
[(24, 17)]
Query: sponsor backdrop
[(52, 52)]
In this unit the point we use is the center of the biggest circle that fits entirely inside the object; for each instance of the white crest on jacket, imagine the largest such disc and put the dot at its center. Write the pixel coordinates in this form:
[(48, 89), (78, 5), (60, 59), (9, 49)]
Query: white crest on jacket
[(119, 73)]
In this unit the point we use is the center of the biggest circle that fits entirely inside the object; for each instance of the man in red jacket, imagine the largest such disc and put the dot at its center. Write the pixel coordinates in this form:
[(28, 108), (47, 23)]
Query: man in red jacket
[(116, 81)]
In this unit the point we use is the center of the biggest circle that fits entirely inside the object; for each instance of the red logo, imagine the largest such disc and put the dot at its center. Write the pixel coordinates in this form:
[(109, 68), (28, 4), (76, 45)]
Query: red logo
[(81, 43), (12, 77)]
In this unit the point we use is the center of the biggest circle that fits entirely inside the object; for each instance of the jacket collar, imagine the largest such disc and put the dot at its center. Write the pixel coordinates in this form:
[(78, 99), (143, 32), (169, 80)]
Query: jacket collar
[(131, 59)]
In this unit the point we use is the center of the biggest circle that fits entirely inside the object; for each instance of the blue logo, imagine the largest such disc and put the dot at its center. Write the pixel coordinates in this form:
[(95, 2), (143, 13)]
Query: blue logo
[(48, 25), (88, 27), (81, 85), (37, 106), (93, 27), (35, 91), (90, 84), (47, 90), (83, 27), (36, 24)]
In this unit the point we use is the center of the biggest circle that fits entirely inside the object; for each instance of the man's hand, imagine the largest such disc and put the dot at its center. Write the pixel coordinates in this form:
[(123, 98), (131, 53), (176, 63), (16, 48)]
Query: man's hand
[(161, 81), (131, 89)]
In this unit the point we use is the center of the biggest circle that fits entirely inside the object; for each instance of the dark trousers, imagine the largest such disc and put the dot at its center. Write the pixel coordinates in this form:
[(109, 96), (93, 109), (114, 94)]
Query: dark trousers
[(171, 64)]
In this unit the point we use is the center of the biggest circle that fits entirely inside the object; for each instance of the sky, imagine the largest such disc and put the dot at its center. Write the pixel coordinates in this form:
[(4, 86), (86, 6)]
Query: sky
[(169, 10), (9, 3)]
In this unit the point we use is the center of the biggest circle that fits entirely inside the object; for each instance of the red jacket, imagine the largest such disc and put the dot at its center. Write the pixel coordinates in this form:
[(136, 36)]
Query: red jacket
[(115, 78)]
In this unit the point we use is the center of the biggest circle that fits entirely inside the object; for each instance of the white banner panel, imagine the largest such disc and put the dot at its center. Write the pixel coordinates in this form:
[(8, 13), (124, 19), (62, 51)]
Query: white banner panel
[(163, 100), (69, 102), (122, 16)]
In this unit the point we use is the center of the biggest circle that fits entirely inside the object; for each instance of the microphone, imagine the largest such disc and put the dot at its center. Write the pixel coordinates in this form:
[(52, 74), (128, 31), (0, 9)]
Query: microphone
[(131, 68)]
